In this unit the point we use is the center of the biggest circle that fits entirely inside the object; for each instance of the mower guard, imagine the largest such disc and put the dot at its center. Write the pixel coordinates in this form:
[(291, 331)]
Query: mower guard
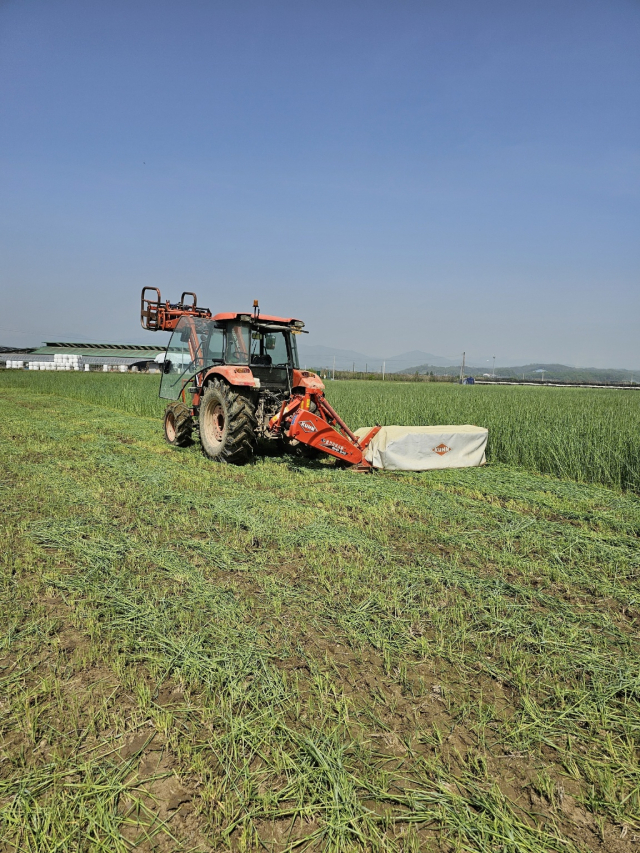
[(316, 432), (424, 448)]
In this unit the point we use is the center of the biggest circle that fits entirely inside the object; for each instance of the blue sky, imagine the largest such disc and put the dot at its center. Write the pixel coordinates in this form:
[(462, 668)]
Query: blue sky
[(406, 175)]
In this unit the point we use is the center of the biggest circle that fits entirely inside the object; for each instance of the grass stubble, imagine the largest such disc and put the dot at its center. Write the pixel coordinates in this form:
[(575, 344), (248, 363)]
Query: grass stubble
[(281, 656)]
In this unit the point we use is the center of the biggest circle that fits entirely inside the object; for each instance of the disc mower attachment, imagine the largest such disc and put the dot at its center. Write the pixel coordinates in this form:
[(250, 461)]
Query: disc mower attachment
[(315, 432), (424, 448)]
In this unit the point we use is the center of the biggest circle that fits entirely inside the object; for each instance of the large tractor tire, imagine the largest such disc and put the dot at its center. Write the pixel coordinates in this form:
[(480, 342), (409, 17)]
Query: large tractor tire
[(178, 424), (227, 424)]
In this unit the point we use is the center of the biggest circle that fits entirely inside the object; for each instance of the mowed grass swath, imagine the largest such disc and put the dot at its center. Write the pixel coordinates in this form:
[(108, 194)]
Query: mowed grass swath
[(590, 435), (285, 655)]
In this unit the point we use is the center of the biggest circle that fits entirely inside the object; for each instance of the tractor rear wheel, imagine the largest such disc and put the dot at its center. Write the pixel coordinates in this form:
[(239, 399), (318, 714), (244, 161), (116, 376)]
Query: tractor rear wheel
[(227, 424), (178, 424)]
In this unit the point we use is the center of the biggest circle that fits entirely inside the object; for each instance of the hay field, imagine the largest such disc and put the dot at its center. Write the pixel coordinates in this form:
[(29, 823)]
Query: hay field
[(287, 656), (589, 435)]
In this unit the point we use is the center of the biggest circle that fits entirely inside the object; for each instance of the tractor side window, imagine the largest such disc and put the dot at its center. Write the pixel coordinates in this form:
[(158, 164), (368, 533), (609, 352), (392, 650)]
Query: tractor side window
[(294, 351), (215, 345), (269, 349), (276, 347), (195, 345), (237, 344), (179, 359)]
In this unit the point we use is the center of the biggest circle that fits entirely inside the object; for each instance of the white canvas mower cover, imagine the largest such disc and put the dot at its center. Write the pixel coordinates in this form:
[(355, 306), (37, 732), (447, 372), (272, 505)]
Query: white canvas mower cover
[(423, 448)]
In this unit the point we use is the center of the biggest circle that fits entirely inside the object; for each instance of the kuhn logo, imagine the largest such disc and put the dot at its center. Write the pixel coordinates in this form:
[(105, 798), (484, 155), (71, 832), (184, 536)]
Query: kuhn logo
[(307, 426), (441, 449)]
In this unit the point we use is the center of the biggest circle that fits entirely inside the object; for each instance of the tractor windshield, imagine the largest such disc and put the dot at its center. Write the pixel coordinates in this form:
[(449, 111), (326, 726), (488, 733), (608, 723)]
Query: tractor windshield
[(195, 345)]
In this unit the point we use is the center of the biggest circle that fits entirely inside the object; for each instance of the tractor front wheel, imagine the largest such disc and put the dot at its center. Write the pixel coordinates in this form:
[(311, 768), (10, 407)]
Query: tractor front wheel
[(178, 424), (227, 424)]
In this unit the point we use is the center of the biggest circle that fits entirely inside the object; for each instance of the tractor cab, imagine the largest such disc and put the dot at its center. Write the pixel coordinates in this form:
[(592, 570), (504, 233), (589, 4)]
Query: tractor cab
[(273, 355), (247, 349)]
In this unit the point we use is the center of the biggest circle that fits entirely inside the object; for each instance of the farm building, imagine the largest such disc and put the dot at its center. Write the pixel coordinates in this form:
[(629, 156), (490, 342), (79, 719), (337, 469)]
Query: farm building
[(60, 355)]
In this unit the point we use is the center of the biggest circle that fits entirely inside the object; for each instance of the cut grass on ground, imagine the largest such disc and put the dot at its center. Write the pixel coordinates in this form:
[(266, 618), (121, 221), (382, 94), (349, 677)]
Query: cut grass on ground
[(197, 656)]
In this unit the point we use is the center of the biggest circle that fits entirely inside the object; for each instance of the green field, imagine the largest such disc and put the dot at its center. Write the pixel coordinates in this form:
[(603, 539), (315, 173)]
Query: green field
[(286, 655), (584, 434)]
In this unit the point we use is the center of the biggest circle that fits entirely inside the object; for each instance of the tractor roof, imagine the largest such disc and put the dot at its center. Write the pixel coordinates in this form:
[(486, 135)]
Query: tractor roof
[(263, 318)]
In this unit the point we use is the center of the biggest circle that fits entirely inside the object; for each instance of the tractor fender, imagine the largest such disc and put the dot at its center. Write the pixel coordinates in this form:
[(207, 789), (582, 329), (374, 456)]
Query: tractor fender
[(307, 379), (234, 375)]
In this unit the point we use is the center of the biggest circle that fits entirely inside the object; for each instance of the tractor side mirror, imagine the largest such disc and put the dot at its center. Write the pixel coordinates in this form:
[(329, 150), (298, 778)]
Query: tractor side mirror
[(166, 366), (270, 341)]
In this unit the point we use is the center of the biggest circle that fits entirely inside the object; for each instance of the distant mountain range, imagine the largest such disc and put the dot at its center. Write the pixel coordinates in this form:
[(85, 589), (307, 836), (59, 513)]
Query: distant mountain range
[(416, 361), (346, 359), (550, 372)]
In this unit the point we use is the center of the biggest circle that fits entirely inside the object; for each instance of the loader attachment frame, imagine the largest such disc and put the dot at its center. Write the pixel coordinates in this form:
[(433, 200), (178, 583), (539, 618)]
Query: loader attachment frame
[(159, 316)]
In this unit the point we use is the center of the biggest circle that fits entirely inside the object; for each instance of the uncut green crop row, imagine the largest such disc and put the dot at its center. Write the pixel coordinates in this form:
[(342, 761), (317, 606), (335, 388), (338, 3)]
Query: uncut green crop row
[(589, 435)]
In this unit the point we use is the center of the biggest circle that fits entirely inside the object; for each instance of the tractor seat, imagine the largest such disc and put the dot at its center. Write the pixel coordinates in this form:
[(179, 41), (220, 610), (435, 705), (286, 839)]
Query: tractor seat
[(261, 360)]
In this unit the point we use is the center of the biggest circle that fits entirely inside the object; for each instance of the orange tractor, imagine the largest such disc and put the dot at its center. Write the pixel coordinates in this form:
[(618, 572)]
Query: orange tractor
[(235, 378)]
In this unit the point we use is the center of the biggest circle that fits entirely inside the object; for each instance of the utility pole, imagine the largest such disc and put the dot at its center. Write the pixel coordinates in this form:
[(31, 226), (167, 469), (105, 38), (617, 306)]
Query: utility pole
[(462, 368), (366, 368), (334, 368), (353, 367), (493, 370)]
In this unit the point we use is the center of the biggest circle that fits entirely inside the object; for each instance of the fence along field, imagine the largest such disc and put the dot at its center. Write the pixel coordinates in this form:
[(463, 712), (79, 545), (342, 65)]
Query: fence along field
[(286, 655), (589, 435)]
